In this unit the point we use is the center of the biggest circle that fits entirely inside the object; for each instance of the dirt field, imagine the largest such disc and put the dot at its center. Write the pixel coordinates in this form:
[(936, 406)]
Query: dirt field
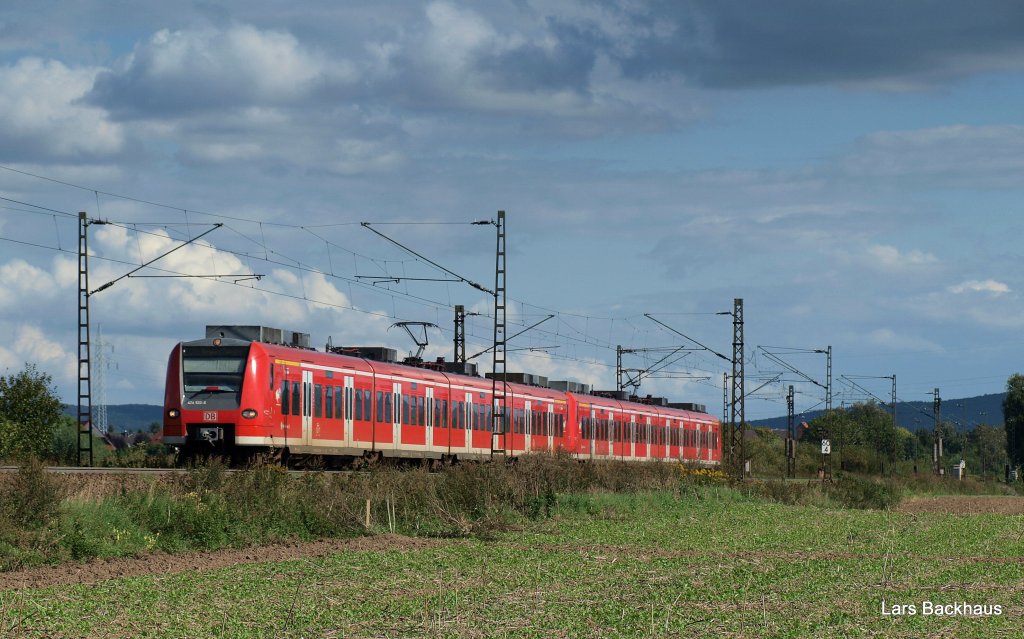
[(165, 564), (964, 505), (161, 563)]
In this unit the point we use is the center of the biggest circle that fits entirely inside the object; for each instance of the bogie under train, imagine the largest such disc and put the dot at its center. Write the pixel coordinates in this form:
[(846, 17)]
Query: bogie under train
[(242, 397)]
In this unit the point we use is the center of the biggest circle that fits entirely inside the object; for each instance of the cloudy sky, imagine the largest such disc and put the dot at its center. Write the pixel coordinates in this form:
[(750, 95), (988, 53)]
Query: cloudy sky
[(851, 170)]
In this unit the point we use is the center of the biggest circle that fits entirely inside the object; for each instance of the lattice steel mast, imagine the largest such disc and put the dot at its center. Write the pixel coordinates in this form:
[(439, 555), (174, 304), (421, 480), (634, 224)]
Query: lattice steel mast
[(790, 433), (737, 418), (498, 370), (460, 334), (84, 355)]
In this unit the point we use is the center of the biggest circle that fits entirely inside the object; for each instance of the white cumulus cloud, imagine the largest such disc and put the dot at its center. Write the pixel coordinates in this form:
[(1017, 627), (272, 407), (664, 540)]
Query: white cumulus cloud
[(42, 115), (980, 286), (891, 258)]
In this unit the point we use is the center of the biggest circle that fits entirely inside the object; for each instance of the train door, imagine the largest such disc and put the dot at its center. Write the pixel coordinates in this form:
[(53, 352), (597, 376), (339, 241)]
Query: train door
[(500, 437), (428, 417), (396, 414), (632, 436), (307, 407), (647, 437), (609, 434), (347, 405), (527, 428), (592, 438), (551, 427), (467, 421)]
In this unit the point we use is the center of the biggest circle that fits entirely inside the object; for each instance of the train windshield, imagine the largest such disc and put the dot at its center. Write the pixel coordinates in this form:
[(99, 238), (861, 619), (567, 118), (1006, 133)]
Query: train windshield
[(213, 369)]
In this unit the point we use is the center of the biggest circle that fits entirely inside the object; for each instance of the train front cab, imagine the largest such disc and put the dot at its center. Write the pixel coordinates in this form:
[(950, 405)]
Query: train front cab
[(205, 392)]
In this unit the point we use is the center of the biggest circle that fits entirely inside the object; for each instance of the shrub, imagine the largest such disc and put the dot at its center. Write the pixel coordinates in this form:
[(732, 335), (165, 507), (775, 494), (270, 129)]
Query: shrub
[(860, 492), (33, 496)]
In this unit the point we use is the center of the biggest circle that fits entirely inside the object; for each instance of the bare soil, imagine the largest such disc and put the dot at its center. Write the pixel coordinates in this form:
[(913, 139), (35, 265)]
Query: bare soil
[(98, 570), (964, 505)]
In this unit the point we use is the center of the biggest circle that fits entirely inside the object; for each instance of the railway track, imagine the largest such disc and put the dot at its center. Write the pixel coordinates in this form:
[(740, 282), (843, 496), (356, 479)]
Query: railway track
[(86, 470)]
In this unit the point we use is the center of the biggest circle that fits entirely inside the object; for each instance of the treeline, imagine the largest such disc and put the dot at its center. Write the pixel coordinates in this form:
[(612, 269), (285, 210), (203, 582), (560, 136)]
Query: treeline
[(33, 425), (864, 439)]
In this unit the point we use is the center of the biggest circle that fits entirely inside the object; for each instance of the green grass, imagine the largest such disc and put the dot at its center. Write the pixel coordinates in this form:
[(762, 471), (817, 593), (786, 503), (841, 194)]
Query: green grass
[(711, 562)]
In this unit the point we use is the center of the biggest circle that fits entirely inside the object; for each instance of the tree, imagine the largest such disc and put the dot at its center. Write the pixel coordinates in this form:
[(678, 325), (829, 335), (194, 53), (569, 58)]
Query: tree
[(29, 413), (1013, 416), (991, 445)]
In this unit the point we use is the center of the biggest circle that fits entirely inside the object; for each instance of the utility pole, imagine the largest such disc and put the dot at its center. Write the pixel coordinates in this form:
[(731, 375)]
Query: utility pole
[(937, 446), (725, 399), (827, 461), (737, 417), (499, 395), (894, 401), (84, 355), (460, 334), (618, 367), (102, 423), (85, 425), (790, 434)]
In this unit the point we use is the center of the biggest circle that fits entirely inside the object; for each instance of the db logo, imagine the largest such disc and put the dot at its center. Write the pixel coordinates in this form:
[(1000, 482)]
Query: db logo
[(209, 415)]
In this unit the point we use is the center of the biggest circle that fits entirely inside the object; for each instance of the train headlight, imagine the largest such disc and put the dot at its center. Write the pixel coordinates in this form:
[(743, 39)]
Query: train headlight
[(173, 413), (249, 413)]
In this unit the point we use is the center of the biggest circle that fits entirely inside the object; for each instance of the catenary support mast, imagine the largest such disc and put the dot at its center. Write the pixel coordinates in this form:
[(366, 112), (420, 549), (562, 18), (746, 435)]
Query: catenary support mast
[(499, 437)]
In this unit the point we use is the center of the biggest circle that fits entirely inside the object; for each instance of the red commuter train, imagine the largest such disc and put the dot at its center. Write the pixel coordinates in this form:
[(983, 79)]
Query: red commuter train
[(241, 397)]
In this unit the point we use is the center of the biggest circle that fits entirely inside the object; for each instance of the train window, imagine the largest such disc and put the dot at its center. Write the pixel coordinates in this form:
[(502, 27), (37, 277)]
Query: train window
[(420, 409), (318, 400), (359, 404), (338, 402), (437, 413), (405, 410), (272, 376), (329, 402), (284, 397), (388, 417), (455, 414), (295, 398), (443, 403)]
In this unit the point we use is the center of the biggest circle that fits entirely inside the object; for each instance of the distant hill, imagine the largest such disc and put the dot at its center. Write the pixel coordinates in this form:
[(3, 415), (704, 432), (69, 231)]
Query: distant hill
[(965, 413), (126, 417)]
